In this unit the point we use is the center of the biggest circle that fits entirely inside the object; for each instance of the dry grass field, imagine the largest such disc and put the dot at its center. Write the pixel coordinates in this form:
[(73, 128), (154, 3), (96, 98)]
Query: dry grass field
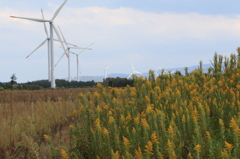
[(27, 115)]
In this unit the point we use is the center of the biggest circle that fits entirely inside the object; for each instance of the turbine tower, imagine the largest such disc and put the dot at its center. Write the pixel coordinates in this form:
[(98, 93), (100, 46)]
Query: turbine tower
[(105, 70), (68, 53), (133, 72), (77, 56), (52, 27)]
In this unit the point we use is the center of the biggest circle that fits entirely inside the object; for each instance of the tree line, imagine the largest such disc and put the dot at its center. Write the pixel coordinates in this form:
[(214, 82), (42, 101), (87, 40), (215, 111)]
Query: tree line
[(61, 84)]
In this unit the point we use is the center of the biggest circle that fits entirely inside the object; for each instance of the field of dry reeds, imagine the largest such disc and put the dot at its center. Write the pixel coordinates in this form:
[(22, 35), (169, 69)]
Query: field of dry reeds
[(27, 115)]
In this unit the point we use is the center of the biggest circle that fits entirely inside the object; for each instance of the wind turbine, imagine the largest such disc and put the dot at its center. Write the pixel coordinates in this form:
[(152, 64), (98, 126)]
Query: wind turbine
[(156, 72), (68, 53), (169, 72), (49, 53), (105, 70), (133, 72), (172, 72), (77, 56), (52, 27)]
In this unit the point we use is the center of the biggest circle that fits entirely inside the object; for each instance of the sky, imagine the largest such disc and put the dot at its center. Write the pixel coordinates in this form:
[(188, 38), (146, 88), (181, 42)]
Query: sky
[(146, 33)]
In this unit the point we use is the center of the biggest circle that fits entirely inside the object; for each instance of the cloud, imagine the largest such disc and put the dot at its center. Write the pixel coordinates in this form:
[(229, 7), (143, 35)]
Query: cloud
[(126, 24), (165, 25)]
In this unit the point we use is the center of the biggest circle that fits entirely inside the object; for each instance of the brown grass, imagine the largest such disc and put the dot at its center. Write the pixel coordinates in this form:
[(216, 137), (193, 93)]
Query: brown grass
[(27, 115)]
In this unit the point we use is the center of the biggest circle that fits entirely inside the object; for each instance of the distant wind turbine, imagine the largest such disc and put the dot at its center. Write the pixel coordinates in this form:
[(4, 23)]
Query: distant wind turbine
[(173, 72), (156, 72), (133, 72), (169, 72), (105, 70), (77, 56), (52, 27), (68, 54)]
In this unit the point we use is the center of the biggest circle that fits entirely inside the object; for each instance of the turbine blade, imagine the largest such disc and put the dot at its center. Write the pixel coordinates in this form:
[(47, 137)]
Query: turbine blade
[(137, 72), (133, 68), (64, 42), (37, 48), (100, 67), (66, 53), (62, 36), (74, 53), (130, 75), (31, 19), (59, 37), (85, 49), (109, 66), (58, 10), (45, 28), (60, 58), (57, 33), (78, 48), (90, 45)]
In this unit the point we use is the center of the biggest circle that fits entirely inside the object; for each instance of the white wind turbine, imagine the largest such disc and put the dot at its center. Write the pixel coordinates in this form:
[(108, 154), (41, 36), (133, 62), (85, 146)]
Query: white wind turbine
[(77, 56), (133, 72), (49, 53), (173, 72), (52, 27), (156, 72), (169, 72), (105, 70), (68, 53)]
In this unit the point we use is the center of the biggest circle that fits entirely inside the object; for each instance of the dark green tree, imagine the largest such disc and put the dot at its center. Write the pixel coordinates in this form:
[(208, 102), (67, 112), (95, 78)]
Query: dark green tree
[(13, 79)]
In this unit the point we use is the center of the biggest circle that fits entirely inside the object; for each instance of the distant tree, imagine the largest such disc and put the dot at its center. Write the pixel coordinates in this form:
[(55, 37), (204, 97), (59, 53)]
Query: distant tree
[(178, 73), (118, 82), (186, 71), (13, 79)]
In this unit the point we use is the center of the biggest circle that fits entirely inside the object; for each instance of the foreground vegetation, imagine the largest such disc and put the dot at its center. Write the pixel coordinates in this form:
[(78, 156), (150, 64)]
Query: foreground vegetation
[(192, 116), (168, 117)]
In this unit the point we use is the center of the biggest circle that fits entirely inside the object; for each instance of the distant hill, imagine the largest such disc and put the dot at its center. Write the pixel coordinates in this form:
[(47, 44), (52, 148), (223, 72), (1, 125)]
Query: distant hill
[(123, 75)]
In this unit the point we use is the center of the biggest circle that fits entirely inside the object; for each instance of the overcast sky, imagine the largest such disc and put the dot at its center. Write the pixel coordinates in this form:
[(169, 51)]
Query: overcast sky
[(147, 33)]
